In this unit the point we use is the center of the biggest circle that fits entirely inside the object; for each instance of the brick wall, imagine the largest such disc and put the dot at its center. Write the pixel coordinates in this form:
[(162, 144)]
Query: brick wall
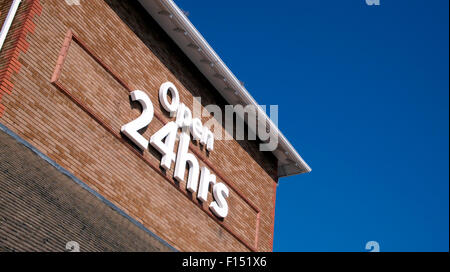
[(43, 208), (76, 122)]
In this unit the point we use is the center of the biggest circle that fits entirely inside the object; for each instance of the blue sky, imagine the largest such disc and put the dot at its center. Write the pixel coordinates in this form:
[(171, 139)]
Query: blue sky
[(363, 93)]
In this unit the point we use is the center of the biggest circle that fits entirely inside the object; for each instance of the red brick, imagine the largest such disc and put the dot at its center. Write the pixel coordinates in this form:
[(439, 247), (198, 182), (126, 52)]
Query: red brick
[(77, 125)]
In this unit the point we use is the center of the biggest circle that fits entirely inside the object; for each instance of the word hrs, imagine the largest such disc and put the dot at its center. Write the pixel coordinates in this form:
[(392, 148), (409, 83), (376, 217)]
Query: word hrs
[(164, 141)]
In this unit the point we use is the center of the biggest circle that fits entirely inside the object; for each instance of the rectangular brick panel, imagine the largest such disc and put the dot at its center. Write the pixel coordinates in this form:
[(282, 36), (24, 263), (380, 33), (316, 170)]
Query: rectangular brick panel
[(62, 121)]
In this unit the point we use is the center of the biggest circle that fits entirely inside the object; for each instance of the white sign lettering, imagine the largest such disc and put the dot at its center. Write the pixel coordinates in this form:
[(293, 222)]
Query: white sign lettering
[(164, 142)]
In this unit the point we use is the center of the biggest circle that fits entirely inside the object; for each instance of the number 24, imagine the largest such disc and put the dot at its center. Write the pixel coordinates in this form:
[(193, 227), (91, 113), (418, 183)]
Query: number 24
[(168, 132)]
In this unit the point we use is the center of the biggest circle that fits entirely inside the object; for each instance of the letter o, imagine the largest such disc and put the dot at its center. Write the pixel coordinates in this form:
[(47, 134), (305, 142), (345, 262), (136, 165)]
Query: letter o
[(163, 93)]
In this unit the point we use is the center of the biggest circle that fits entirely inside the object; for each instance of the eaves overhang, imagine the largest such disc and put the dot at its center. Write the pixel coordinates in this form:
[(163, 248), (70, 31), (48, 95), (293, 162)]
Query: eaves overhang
[(179, 28)]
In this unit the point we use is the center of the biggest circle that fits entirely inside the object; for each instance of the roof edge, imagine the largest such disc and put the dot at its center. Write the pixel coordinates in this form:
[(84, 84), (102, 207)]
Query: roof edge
[(180, 29)]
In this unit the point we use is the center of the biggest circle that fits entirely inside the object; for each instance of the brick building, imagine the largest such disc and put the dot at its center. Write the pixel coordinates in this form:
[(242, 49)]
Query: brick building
[(69, 172)]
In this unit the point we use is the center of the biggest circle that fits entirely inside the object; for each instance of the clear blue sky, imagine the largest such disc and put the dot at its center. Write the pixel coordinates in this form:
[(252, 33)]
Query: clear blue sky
[(364, 97)]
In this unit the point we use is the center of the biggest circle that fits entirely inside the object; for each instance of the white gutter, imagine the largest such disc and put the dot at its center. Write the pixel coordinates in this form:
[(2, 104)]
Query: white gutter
[(9, 19), (172, 19)]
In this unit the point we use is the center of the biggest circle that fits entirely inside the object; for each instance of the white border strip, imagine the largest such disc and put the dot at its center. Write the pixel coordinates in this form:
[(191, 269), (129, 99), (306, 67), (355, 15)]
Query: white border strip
[(8, 22)]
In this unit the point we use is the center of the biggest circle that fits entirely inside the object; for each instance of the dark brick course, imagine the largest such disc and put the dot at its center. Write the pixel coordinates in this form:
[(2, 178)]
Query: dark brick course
[(41, 209)]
